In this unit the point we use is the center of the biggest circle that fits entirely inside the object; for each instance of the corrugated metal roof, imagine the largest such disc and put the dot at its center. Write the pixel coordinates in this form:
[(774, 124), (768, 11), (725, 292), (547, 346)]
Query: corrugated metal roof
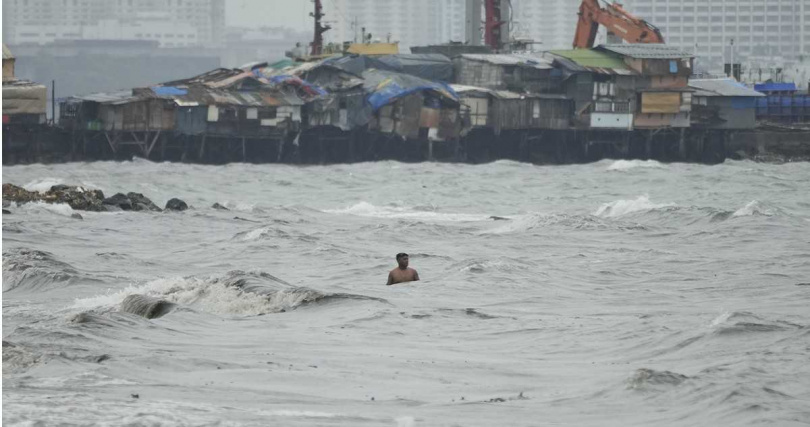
[(594, 61), (108, 97), (7, 52), (722, 87), (503, 94), (520, 60), (647, 51)]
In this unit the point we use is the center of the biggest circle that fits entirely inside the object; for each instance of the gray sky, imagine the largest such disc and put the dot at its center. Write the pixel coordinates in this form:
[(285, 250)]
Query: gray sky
[(274, 13)]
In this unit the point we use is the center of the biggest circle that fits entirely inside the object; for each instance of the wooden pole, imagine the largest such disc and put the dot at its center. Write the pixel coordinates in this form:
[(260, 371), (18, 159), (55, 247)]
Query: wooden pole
[(244, 151), (202, 148)]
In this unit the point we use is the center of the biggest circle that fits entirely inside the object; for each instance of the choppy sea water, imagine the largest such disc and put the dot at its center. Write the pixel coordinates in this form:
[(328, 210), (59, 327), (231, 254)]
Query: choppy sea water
[(619, 293)]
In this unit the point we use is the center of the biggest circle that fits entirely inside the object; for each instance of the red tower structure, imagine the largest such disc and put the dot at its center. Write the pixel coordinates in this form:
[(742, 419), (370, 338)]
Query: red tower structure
[(317, 41), (493, 23)]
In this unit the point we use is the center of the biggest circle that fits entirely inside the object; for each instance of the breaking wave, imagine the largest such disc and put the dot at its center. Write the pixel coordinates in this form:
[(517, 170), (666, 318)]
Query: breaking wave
[(236, 293), (43, 185), (62, 209), (366, 209), (755, 208), (625, 207)]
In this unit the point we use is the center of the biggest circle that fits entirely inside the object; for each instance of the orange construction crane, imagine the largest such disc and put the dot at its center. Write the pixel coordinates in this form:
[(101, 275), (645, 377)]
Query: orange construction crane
[(616, 20)]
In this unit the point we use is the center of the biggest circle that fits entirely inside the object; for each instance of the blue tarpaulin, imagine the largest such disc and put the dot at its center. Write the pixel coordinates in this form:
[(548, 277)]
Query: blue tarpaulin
[(168, 91), (385, 87), (775, 87)]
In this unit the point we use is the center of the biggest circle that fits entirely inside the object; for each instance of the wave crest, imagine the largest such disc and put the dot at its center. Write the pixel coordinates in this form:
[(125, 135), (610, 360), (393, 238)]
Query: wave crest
[(625, 165), (235, 293), (423, 213), (625, 207), (755, 208), (644, 379), (34, 270)]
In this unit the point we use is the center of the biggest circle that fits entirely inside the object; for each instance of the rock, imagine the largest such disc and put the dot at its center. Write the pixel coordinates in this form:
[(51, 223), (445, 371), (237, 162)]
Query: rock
[(119, 200), (176, 205), (76, 197), (219, 207), (76, 216), (6, 211), (12, 193), (6, 203), (142, 203)]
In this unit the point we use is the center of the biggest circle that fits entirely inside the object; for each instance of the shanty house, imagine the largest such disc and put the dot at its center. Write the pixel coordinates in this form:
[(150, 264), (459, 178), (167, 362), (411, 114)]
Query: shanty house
[(24, 102), (504, 110), (664, 98), (513, 72), (411, 107), (723, 104), (8, 64), (601, 85)]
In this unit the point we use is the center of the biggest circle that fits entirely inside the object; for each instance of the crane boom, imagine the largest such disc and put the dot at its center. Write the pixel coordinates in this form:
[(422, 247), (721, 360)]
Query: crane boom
[(617, 20)]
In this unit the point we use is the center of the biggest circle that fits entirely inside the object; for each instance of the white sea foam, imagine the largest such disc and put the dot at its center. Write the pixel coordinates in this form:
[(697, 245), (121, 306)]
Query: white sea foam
[(42, 185), (303, 414), (754, 207), (624, 207), (62, 209), (256, 234), (241, 206), (366, 209), (624, 165)]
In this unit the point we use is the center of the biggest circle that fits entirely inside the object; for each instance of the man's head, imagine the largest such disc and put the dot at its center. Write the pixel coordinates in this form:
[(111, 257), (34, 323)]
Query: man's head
[(402, 260)]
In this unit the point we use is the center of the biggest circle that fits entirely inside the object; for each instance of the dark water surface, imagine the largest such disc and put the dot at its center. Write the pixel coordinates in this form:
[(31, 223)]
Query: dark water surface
[(610, 294)]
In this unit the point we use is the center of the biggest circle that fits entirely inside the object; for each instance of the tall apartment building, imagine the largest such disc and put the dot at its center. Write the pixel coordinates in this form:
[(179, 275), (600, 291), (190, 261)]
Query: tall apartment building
[(173, 23), (411, 23), (552, 23), (756, 33)]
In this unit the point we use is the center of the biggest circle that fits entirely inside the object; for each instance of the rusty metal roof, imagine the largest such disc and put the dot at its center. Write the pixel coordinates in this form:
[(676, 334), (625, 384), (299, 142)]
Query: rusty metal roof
[(519, 60), (647, 51)]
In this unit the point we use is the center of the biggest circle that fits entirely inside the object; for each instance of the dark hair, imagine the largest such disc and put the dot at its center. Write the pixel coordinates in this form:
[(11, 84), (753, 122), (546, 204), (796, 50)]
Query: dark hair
[(400, 255)]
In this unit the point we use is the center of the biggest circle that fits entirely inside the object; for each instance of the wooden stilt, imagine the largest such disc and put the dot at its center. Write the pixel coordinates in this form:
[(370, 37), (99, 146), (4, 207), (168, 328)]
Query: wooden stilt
[(280, 149), (152, 145), (202, 148), (682, 145), (244, 150), (648, 145)]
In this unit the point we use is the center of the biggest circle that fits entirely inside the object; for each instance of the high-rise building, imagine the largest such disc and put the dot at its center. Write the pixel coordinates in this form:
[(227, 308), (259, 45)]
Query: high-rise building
[(549, 22), (755, 33), (172, 23), (411, 23)]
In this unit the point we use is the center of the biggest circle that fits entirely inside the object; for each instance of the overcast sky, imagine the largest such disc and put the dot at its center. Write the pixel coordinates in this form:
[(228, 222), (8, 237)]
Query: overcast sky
[(274, 13)]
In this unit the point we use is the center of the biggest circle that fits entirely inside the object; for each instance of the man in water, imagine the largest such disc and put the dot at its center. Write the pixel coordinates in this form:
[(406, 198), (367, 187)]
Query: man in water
[(402, 273)]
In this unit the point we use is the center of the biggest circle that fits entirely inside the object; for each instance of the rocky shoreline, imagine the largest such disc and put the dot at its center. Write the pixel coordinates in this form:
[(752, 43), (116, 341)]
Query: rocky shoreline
[(82, 199)]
